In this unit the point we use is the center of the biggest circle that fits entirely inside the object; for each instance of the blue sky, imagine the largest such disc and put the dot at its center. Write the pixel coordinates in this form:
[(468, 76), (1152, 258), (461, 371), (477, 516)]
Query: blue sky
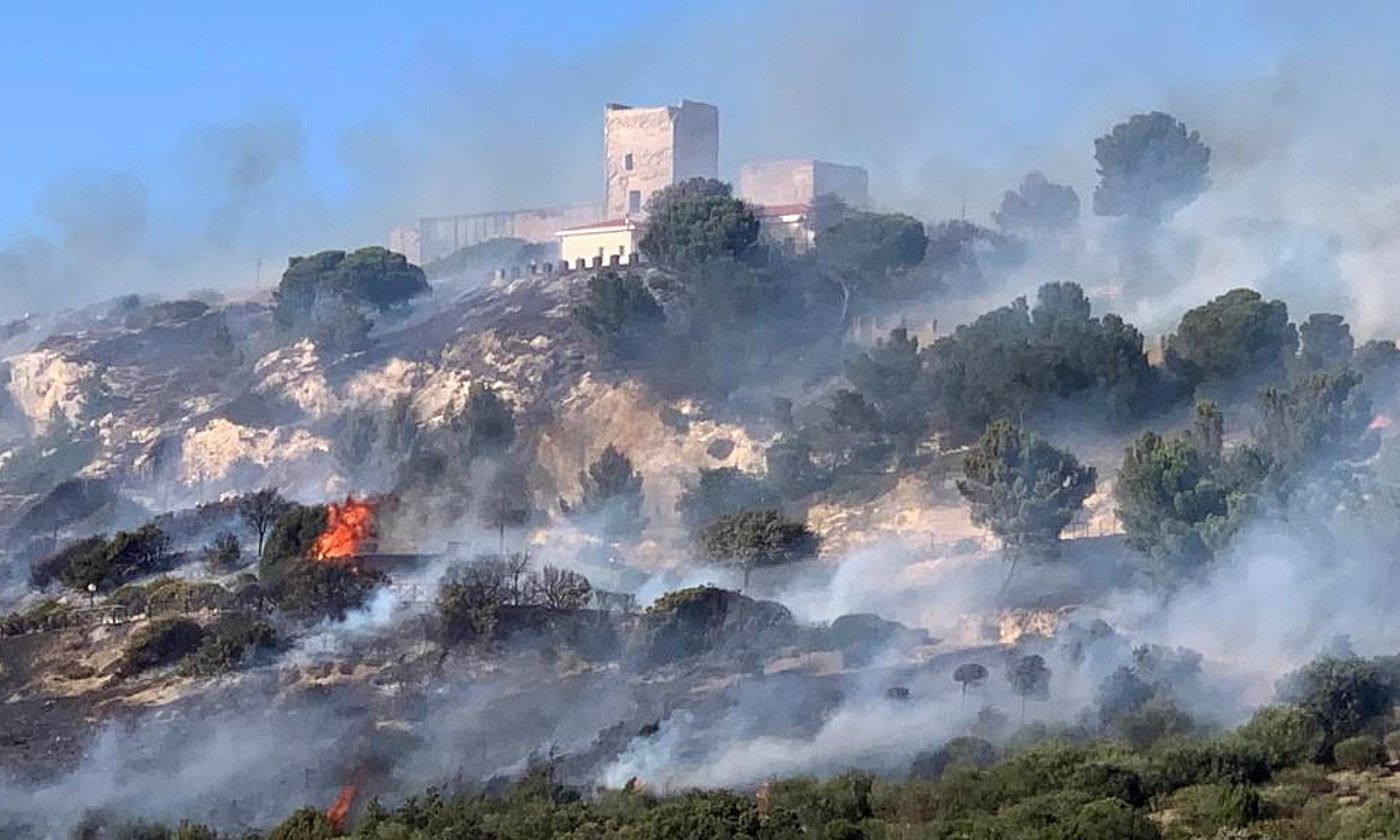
[(366, 114)]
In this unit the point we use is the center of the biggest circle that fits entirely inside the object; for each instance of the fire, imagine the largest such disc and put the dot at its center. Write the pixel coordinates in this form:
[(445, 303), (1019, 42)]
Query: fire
[(340, 809), (1381, 421), (349, 530)]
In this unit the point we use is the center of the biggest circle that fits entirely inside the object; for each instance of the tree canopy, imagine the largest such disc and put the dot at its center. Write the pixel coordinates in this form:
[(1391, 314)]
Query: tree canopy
[(1149, 167), (697, 220), (1238, 339), (1037, 207), (755, 538), (372, 277), (1023, 488)]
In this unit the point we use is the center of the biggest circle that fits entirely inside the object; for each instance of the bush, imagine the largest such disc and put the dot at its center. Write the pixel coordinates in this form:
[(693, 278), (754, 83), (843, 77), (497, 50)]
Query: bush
[(1177, 765), (1208, 808), (312, 590), (1109, 819), (42, 615), (1287, 734), (292, 536), (964, 751), (1359, 753), (228, 645), (163, 642)]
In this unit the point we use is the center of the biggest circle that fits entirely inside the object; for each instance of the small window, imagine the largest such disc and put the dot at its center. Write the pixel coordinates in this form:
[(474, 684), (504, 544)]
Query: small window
[(627, 161), (634, 201)]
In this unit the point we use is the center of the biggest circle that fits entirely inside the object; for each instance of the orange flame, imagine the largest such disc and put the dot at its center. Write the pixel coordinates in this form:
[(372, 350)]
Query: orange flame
[(349, 530), (340, 809), (1381, 421)]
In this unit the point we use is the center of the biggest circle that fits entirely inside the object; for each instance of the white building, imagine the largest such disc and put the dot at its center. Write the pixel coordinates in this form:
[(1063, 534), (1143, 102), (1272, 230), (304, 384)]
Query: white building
[(786, 182), (605, 243)]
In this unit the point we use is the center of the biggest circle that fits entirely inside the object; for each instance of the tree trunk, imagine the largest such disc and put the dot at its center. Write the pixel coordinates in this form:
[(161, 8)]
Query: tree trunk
[(1014, 557), (845, 303), (963, 700)]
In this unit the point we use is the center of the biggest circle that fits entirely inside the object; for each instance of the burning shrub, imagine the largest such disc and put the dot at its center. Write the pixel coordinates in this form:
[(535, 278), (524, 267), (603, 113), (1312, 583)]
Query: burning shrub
[(311, 590), (162, 642)]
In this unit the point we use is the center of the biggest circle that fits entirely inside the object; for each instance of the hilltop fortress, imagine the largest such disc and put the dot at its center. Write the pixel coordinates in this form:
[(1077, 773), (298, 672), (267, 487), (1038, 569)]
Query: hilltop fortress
[(646, 149)]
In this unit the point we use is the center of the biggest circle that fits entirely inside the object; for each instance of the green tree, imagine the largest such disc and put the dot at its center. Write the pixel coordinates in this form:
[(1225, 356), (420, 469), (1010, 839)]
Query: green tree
[(1029, 678), (612, 495), (1023, 488), (1037, 207), (757, 538), (1170, 504), (1236, 339), (1342, 695), (695, 221), (1325, 344), (621, 313), (374, 277), (1149, 167), (969, 674), (291, 538), (864, 249), (1322, 419)]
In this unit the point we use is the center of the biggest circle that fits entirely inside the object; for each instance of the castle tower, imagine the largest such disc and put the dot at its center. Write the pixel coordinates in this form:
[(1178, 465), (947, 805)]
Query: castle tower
[(648, 149)]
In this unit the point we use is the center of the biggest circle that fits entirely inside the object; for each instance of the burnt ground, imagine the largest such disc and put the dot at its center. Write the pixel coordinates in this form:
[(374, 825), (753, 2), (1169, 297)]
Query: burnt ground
[(43, 734), (396, 713)]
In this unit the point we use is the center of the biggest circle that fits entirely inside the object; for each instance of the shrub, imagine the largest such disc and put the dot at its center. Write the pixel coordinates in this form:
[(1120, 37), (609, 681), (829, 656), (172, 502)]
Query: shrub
[(228, 645), (1177, 765), (1358, 753), (1287, 734), (1208, 808), (964, 751), (292, 536), (1109, 819), (162, 642), (312, 590)]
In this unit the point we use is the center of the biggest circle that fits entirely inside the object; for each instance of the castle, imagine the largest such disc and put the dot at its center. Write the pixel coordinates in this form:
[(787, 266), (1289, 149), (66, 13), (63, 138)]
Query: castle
[(646, 149)]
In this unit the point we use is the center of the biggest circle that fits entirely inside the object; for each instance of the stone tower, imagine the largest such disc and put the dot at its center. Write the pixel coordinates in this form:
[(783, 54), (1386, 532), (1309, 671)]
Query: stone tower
[(648, 149)]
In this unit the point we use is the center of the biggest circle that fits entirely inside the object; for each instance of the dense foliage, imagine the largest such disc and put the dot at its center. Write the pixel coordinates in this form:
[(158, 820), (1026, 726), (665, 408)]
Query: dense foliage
[(697, 220), (1023, 488), (754, 538), (1149, 167), (373, 277)]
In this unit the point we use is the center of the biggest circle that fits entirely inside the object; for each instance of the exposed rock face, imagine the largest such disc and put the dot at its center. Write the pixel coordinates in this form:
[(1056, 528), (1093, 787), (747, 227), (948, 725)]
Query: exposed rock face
[(47, 385)]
